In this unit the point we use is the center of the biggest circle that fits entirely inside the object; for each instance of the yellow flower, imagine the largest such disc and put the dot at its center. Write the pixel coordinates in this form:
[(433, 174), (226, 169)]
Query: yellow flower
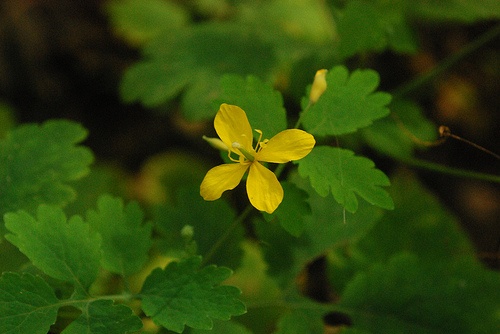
[(264, 190), (318, 86)]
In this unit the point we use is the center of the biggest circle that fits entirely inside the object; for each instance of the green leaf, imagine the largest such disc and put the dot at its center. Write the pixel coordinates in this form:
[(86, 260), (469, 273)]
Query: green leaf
[(223, 327), (183, 294), (373, 26), (301, 321), (139, 21), (209, 221), (400, 135), (63, 250), (292, 211), (125, 239), (344, 174), (455, 10), (419, 224), (37, 160), (188, 58), (262, 104), (27, 304), (349, 103), (411, 295), (102, 317), (327, 227)]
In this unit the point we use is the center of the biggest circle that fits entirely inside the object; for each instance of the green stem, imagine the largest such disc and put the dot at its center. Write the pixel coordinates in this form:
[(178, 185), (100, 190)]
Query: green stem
[(447, 63), (450, 170), (239, 220)]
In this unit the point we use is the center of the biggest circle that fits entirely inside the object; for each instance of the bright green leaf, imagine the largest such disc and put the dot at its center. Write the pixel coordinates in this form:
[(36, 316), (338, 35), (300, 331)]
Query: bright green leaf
[(399, 135), (139, 21), (209, 221), (349, 103), (183, 294), (63, 250), (292, 211), (344, 174), (411, 295), (125, 239), (187, 58), (262, 104), (27, 304), (37, 161), (102, 317)]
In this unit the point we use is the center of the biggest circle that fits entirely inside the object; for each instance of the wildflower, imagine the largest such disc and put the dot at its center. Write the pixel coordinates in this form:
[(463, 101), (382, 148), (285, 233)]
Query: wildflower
[(318, 86), (264, 190)]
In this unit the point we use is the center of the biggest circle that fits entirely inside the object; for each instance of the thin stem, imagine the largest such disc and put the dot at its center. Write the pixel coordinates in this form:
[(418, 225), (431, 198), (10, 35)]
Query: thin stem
[(450, 170), (447, 63), (226, 234)]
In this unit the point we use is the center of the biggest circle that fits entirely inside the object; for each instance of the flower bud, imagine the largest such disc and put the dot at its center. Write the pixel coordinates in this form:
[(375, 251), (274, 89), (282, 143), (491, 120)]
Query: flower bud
[(318, 86), (216, 143)]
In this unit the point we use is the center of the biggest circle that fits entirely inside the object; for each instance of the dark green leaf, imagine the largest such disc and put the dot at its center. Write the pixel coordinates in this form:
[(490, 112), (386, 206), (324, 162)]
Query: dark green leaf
[(455, 10), (37, 161), (262, 104), (125, 239), (183, 294), (373, 26), (102, 317), (349, 103), (63, 250), (344, 174), (419, 224), (27, 304), (187, 58), (411, 295), (292, 211), (209, 220), (328, 226), (399, 135)]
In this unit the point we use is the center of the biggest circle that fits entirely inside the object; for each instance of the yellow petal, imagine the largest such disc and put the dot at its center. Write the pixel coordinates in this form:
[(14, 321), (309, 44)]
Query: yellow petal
[(232, 126), (291, 144), (220, 179), (263, 188)]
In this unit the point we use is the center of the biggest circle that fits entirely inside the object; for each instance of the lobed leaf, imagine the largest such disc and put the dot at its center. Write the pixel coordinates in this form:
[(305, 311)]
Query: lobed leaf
[(102, 317), (194, 59), (125, 239), (36, 161), (67, 251), (27, 304), (262, 104), (183, 294), (339, 171), (349, 103)]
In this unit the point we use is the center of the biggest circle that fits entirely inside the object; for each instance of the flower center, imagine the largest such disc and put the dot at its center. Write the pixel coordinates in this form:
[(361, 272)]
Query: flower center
[(245, 153)]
